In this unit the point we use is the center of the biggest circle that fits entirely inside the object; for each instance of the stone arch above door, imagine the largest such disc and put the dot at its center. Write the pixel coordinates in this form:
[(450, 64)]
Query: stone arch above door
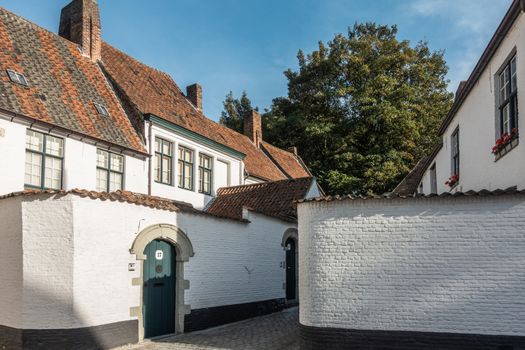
[(169, 233), (290, 233), (184, 251)]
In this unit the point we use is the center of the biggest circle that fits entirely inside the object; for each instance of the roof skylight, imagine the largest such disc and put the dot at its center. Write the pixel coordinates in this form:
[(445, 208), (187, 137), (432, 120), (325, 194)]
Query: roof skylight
[(102, 110), (16, 77)]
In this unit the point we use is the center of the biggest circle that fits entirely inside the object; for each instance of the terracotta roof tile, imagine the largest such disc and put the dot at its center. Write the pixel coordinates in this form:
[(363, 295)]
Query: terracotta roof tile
[(63, 84), (154, 92), (482, 193), (126, 197), (274, 199), (288, 162)]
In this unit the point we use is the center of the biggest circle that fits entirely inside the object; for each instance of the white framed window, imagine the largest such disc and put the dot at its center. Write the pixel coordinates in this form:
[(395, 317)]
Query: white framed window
[(163, 161), (44, 160), (205, 173), (186, 161), (110, 171)]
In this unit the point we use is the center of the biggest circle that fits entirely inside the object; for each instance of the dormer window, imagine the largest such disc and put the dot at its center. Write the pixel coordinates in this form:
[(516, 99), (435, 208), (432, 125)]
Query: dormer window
[(102, 110), (16, 77)]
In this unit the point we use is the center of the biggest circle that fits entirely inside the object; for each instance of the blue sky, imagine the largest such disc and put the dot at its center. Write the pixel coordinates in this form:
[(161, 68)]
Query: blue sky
[(247, 44)]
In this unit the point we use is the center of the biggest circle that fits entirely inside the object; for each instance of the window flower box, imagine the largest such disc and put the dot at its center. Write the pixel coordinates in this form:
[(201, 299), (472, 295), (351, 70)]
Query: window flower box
[(452, 181), (505, 143)]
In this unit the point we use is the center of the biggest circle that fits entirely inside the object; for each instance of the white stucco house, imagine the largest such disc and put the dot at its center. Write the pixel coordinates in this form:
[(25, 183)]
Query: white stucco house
[(438, 263), (125, 213)]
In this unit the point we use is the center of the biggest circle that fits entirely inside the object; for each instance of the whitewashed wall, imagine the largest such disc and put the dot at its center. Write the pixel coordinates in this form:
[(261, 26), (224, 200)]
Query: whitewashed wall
[(198, 200), (12, 156), (430, 265), (477, 120), (11, 263), (76, 255)]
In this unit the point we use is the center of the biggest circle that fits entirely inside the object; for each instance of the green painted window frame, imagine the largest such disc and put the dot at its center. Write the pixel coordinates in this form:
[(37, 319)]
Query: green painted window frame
[(204, 170), (454, 149), (110, 171), (508, 95), (159, 168), (182, 168), (44, 155)]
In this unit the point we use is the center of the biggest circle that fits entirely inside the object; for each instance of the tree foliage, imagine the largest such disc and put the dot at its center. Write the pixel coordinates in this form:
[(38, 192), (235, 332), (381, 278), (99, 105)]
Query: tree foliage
[(362, 109), (234, 111)]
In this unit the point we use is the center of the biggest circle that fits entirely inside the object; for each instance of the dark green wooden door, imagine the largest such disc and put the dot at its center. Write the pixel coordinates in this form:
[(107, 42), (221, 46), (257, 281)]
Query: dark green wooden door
[(158, 307), (290, 270)]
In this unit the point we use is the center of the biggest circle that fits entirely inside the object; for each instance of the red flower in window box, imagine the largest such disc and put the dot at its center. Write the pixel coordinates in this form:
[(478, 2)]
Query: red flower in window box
[(453, 180), (504, 140)]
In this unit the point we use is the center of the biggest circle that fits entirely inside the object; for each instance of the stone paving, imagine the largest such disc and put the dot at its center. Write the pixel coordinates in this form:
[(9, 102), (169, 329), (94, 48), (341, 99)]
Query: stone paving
[(277, 331)]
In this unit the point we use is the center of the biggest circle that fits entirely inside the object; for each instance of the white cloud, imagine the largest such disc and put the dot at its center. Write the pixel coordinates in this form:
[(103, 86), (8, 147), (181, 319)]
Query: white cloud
[(470, 21)]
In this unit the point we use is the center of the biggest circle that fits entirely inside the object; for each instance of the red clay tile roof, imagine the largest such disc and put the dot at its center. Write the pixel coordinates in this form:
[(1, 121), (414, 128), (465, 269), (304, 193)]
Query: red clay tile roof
[(511, 191), (154, 92), (288, 162), (63, 84), (276, 199), (126, 197)]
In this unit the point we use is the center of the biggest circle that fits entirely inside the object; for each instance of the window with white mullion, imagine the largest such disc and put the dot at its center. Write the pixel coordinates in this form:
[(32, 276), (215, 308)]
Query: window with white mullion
[(110, 171), (44, 160), (508, 97), (163, 161)]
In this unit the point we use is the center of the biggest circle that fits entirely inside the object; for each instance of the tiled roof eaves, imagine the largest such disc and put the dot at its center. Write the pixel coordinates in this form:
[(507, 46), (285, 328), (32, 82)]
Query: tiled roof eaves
[(126, 197), (13, 116), (482, 193), (194, 136), (517, 7)]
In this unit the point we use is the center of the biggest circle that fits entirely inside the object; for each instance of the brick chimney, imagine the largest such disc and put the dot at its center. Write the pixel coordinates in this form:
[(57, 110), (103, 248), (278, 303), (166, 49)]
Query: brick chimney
[(194, 95), (80, 23), (253, 127)]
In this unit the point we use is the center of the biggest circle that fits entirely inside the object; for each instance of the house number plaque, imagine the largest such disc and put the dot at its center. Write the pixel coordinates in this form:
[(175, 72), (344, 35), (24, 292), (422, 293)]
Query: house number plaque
[(159, 254)]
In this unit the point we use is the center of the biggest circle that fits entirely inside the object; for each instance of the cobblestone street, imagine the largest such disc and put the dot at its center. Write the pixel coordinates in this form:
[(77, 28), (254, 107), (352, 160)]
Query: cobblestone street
[(277, 331)]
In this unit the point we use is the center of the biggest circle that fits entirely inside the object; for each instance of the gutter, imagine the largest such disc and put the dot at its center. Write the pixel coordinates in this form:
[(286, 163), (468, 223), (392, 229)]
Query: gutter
[(80, 136)]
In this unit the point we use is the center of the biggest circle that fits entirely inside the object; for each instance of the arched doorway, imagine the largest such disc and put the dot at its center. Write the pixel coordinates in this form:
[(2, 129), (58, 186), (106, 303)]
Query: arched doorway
[(158, 304), (291, 270), (290, 246), (172, 241)]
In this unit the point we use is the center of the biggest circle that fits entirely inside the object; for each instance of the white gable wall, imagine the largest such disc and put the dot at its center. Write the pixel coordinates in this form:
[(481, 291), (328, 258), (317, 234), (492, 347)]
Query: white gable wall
[(477, 122)]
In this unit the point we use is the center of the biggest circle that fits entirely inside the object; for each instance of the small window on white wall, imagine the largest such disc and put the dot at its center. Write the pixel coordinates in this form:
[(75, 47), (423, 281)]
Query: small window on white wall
[(44, 160), (508, 98), (433, 179)]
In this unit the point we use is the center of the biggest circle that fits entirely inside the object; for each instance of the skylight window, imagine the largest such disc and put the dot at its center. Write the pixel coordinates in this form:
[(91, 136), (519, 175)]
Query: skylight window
[(16, 77), (102, 110)]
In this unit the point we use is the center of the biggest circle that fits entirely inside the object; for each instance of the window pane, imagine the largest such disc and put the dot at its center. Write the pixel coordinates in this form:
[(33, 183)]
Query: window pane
[(157, 167), (188, 156), (102, 180), (166, 170), (188, 176), (102, 159), (54, 146), (115, 182), (34, 141), (166, 148), (506, 119), (53, 173), (181, 170), (158, 146), (21, 79), (514, 79), (181, 153), (33, 172), (117, 163)]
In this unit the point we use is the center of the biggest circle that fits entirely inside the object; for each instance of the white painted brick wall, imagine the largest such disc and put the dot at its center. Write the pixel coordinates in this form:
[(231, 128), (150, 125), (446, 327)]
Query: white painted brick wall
[(436, 265), (76, 255)]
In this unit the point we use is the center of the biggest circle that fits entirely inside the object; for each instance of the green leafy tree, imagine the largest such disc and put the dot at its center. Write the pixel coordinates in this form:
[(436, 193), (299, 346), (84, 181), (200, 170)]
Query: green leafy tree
[(362, 109), (234, 111)]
